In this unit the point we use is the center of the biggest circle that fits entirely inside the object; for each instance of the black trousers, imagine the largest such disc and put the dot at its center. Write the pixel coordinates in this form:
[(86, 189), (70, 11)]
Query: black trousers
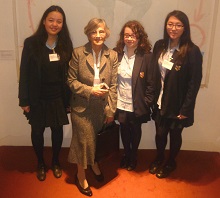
[(37, 138), (131, 135), (161, 141)]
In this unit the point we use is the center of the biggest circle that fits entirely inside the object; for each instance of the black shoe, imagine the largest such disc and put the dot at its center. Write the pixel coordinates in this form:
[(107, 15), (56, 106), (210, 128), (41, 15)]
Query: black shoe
[(132, 165), (57, 171), (155, 166), (99, 178), (124, 162), (87, 191), (41, 172), (166, 170)]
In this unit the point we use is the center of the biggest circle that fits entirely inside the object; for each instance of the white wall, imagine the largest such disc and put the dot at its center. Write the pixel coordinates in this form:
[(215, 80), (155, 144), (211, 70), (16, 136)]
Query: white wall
[(204, 135)]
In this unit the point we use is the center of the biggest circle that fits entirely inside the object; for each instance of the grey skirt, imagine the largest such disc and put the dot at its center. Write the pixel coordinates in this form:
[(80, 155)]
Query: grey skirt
[(85, 126)]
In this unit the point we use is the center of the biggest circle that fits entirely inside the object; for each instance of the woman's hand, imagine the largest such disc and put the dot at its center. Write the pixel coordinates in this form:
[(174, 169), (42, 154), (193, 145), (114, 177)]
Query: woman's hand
[(26, 109), (97, 91), (181, 117)]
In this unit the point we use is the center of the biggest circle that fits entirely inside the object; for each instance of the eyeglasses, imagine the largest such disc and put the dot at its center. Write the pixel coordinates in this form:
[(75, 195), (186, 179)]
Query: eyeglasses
[(132, 36), (177, 26)]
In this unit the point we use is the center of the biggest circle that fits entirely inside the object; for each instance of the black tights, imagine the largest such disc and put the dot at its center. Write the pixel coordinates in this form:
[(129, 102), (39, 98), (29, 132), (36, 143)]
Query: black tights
[(37, 137), (161, 142), (131, 136)]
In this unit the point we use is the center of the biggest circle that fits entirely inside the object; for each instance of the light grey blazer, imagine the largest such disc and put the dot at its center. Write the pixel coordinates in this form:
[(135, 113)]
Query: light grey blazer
[(81, 76)]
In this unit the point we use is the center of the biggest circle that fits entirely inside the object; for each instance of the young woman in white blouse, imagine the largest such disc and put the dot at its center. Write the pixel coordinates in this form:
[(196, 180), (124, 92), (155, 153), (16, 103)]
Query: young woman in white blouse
[(135, 88)]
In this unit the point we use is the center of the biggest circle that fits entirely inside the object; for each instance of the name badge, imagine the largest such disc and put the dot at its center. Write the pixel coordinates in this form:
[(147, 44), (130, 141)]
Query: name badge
[(167, 64), (54, 57)]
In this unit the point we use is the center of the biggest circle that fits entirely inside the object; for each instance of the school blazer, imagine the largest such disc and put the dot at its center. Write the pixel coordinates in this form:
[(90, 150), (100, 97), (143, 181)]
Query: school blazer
[(181, 83), (30, 74), (142, 85)]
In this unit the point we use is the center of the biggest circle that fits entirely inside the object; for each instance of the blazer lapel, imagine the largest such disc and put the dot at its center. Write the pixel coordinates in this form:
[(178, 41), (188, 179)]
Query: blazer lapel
[(103, 61), (90, 60), (89, 55), (136, 69), (104, 57)]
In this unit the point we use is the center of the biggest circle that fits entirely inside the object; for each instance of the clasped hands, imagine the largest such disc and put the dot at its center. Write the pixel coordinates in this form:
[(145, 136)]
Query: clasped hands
[(99, 90)]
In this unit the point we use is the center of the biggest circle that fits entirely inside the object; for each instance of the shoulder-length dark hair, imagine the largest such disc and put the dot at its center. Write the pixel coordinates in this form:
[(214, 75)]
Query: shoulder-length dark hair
[(185, 39), (64, 43), (144, 45)]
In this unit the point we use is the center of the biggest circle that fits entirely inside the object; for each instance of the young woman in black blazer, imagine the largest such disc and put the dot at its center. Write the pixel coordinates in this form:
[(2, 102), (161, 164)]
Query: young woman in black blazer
[(178, 69), (135, 88), (43, 93)]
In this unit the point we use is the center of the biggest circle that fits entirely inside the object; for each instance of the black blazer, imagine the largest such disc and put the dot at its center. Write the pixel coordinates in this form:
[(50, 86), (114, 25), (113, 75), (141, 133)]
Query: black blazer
[(30, 74), (181, 83), (142, 85)]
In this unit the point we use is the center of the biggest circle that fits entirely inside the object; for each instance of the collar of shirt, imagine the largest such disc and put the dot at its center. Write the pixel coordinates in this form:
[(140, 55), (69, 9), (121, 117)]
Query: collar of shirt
[(174, 48), (126, 53)]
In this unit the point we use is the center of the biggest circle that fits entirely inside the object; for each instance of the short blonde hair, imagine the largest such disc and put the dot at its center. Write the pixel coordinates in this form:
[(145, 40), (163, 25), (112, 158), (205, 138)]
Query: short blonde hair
[(93, 24)]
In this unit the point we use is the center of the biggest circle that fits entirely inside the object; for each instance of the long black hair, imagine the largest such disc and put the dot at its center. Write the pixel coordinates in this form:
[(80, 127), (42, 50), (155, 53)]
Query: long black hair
[(64, 43), (185, 39)]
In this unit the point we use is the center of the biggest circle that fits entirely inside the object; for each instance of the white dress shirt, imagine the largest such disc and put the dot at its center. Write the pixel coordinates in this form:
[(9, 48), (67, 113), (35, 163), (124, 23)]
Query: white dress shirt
[(124, 89)]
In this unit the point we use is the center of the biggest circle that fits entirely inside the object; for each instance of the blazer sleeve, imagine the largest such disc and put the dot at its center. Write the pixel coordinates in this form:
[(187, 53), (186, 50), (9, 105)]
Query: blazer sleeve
[(23, 93), (150, 88), (195, 77), (156, 76)]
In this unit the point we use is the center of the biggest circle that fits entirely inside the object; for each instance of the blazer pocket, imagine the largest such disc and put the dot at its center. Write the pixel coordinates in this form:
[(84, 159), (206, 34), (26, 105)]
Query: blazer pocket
[(78, 103)]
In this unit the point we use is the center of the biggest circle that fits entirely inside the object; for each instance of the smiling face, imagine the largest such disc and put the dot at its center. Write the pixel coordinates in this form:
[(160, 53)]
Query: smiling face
[(130, 39), (174, 28), (53, 23), (97, 37)]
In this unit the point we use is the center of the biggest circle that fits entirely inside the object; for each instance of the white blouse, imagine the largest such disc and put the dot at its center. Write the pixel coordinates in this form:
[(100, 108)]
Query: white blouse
[(124, 89), (96, 68)]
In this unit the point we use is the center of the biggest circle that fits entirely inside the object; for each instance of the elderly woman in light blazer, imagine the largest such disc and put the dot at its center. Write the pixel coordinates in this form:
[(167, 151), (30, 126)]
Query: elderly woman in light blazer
[(92, 80)]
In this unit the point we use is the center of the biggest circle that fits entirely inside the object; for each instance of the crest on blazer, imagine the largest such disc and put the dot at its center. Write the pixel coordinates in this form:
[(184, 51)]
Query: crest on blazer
[(141, 74), (177, 68)]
